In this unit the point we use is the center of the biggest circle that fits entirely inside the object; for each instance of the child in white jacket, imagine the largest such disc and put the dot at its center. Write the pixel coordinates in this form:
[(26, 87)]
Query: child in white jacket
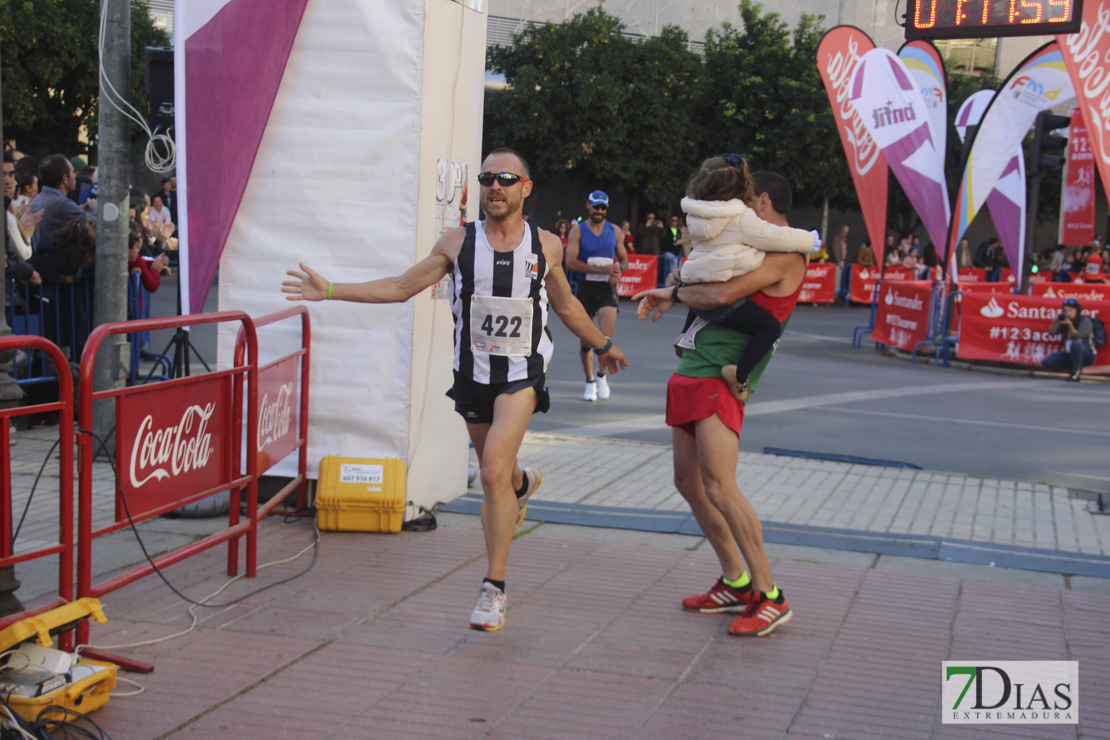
[(729, 240)]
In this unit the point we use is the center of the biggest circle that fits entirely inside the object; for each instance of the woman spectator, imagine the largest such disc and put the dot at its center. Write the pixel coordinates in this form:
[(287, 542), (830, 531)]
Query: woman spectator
[(865, 255), (562, 230), (147, 268), (626, 229)]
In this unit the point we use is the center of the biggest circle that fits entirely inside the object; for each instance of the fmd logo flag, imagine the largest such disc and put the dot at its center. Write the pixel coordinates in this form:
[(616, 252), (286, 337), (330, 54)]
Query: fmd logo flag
[(1010, 692)]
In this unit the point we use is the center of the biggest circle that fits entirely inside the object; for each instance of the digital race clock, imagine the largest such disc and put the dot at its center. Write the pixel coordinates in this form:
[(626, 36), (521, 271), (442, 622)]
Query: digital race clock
[(956, 19)]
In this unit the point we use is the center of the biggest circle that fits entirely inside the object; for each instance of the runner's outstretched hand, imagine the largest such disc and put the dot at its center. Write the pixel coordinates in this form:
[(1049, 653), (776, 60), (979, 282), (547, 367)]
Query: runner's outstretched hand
[(613, 361), (656, 299), (307, 285)]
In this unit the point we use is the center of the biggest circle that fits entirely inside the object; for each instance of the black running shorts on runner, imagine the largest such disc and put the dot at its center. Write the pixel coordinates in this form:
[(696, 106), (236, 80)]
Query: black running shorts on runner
[(594, 295), (474, 401)]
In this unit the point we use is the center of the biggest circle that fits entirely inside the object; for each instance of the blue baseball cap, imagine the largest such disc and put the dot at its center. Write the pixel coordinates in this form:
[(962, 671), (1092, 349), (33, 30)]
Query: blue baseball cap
[(599, 198)]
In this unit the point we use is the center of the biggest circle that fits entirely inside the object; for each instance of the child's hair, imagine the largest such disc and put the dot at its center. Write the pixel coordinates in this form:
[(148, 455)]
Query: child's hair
[(723, 177)]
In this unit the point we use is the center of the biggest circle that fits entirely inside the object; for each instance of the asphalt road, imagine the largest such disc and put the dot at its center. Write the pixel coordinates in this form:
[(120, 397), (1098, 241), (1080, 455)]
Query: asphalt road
[(820, 395)]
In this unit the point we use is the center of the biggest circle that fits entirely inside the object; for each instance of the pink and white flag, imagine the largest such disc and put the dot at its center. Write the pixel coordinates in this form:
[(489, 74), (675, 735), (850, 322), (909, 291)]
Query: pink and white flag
[(892, 109)]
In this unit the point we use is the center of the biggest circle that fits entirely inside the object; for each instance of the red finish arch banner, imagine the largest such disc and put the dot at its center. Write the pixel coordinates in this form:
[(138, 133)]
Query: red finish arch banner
[(838, 55), (902, 319), (1014, 328)]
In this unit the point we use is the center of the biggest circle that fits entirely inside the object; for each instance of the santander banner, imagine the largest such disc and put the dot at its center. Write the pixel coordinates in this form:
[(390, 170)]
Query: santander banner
[(820, 284), (640, 275), (838, 55), (1077, 214), (173, 442), (1014, 328), (902, 318), (278, 401), (1082, 292), (861, 288), (1087, 56)]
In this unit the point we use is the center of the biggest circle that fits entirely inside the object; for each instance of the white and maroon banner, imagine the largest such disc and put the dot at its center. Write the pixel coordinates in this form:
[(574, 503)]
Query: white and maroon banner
[(228, 65), (985, 287), (820, 283), (893, 111), (837, 57), (1077, 209), (926, 67), (1087, 56), (1014, 328), (1082, 292), (902, 318), (993, 175), (641, 274), (173, 442)]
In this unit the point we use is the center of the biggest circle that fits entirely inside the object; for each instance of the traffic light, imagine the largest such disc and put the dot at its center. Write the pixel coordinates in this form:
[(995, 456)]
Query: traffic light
[(1045, 143)]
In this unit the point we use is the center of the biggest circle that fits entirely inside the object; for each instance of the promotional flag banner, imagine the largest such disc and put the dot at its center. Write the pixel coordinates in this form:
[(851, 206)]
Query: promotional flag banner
[(926, 68), (1087, 56), (1077, 211), (1037, 84), (838, 55), (891, 107), (1006, 198), (228, 64)]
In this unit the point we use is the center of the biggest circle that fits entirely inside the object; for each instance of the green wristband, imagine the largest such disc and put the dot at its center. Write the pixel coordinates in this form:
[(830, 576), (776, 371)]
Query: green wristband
[(328, 298)]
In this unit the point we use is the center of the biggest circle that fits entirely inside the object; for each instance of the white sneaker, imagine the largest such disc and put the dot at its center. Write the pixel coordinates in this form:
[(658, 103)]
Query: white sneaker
[(591, 391), (602, 387), (489, 614), (533, 477)]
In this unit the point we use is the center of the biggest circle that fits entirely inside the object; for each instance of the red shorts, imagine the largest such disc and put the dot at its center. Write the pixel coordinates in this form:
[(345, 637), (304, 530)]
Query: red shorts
[(692, 399)]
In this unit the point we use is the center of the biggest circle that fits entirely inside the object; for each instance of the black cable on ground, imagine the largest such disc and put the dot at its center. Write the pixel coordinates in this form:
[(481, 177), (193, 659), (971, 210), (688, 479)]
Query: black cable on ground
[(31, 498), (183, 597)]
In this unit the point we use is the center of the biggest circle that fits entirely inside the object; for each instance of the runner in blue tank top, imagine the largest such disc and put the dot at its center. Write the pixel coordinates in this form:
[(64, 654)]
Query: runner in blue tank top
[(596, 257)]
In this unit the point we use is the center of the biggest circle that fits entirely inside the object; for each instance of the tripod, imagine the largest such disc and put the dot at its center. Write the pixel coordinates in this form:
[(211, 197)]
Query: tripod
[(182, 345)]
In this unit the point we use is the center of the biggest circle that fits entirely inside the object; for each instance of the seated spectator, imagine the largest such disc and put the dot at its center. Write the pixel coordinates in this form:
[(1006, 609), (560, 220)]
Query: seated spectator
[(1078, 333), (159, 213), (910, 261)]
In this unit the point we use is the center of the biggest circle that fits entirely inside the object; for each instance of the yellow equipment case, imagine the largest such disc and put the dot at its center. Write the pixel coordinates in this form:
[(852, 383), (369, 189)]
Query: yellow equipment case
[(360, 495), (88, 684)]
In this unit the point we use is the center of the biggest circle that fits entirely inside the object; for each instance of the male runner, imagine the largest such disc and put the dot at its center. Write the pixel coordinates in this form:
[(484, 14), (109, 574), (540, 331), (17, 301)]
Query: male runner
[(500, 287), (706, 422), (596, 255)]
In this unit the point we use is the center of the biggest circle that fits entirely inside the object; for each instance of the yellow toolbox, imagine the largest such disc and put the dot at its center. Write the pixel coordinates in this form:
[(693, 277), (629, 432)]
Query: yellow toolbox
[(84, 687), (360, 495)]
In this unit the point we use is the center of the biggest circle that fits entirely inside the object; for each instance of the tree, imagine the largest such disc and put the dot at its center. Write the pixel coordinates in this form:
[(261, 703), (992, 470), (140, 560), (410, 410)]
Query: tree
[(764, 99), (51, 69), (586, 101)]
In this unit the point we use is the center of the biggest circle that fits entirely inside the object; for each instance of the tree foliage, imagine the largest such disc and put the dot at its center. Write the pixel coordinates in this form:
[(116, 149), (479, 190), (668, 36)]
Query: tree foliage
[(589, 102), (51, 85)]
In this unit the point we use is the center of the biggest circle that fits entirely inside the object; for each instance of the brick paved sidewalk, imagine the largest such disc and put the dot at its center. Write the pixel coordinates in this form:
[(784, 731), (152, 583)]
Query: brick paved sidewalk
[(373, 643)]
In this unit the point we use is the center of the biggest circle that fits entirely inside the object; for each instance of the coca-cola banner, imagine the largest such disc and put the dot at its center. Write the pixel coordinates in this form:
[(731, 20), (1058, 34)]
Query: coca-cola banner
[(278, 401), (837, 57), (640, 275), (1081, 292), (1014, 328), (902, 318), (1087, 56), (820, 283), (1077, 212), (173, 442), (861, 285), (893, 110)]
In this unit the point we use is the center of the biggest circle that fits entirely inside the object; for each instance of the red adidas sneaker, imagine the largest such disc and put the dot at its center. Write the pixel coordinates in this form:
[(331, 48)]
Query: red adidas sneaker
[(762, 616), (721, 598)]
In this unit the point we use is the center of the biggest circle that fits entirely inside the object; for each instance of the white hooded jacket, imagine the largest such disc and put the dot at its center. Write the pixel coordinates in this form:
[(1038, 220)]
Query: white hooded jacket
[(730, 239)]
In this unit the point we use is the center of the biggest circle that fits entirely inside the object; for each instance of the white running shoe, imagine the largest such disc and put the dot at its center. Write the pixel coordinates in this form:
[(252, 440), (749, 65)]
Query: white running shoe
[(602, 387), (489, 614), (591, 391), (533, 477)]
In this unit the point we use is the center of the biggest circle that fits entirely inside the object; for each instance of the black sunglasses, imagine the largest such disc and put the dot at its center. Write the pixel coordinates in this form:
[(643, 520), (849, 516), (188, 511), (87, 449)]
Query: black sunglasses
[(601, 207), (504, 179)]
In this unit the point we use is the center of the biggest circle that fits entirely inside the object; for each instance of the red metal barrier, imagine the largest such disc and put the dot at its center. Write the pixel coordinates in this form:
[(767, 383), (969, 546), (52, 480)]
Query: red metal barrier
[(64, 548), (275, 435), (166, 466)]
